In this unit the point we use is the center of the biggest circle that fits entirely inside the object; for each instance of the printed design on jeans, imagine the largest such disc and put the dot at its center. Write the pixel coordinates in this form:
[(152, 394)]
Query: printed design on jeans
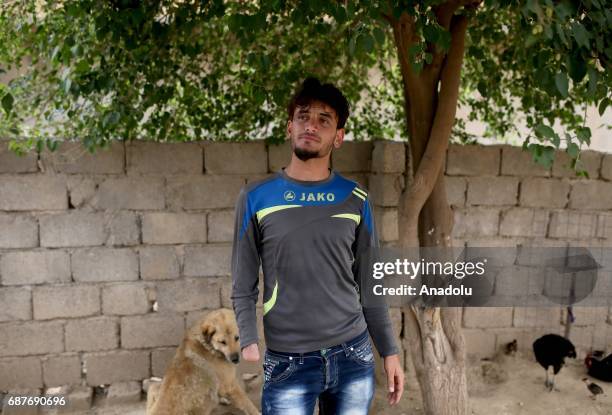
[(276, 370), (362, 353)]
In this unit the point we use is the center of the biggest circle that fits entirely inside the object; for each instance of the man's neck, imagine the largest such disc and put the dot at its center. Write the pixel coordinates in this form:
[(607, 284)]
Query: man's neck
[(311, 170)]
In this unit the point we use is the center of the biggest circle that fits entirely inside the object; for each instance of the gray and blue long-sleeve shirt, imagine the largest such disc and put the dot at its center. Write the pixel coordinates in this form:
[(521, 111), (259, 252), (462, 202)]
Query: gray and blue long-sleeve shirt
[(307, 236)]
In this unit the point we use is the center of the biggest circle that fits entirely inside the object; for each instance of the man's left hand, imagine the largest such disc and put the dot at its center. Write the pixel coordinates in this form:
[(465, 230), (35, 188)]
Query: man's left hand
[(395, 378)]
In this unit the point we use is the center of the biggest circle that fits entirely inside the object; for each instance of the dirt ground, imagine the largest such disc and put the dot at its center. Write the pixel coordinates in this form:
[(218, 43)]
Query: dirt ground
[(506, 386)]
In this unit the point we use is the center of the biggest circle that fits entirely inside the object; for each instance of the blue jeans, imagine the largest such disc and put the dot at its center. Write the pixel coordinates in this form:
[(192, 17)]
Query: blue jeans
[(342, 377)]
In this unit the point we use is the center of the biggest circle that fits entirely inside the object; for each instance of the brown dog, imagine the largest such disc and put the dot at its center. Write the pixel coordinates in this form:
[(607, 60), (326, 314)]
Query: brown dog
[(202, 371)]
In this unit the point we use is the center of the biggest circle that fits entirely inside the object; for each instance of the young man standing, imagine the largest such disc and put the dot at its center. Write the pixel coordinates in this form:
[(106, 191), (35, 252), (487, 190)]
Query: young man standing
[(310, 228)]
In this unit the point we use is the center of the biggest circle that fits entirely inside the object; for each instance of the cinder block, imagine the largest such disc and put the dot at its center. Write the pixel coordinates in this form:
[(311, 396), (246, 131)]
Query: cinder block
[(105, 264), (78, 398), (160, 360), (11, 162), (159, 262), (487, 317), (35, 267), (22, 339), (18, 231), (352, 156), (207, 261), (235, 158), (385, 189), (479, 343), (61, 370), (591, 195), (173, 228), (149, 157), (32, 192), (582, 338), (573, 224), (587, 316), (542, 192), (81, 190), (188, 294), (476, 222), (519, 162), (589, 160), (203, 192), (92, 334), (221, 226), (456, 189), (135, 193), (151, 330), (123, 228), (73, 157), (606, 167), (517, 283), (125, 299), (122, 393), (387, 223), (22, 372), (72, 229), (279, 156), (226, 292), (65, 301), (16, 304), (116, 366), (523, 222), (388, 157), (539, 252), (537, 316), (472, 160), (604, 228), (601, 336), (492, 191)]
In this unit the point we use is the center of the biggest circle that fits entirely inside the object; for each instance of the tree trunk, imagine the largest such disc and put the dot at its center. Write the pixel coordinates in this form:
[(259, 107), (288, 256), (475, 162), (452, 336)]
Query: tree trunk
[(434, 335)]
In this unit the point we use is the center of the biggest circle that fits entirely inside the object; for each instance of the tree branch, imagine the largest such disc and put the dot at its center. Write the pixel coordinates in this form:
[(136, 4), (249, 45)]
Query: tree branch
[(444, 13), (403, 32), (431, 163)]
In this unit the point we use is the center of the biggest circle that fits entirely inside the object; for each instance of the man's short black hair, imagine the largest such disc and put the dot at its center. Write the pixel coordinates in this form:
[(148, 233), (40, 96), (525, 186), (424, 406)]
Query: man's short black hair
[(312, 90)]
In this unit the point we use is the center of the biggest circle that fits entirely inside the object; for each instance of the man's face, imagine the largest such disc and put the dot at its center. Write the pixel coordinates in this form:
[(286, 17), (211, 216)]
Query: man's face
[(313, 131)]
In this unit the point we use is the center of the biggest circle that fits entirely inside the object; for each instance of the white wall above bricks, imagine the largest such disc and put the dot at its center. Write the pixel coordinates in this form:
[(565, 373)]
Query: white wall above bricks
[(106, 259)]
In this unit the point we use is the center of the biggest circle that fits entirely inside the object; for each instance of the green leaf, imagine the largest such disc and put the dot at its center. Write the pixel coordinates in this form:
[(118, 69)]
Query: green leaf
[(111, 118), (580, 34), (82, 66), (51, 144), (562, 83), (602, 106), (572, 150), (577, 67), (7, 103), (431, 33), (584, 135), (353, 44), (379, 35), (366, 42), (592, 81), (545, 131), (543, 155)]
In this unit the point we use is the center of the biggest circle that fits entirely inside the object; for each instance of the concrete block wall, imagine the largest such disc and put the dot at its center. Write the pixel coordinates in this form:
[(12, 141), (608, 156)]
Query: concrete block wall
[(106, 259)]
